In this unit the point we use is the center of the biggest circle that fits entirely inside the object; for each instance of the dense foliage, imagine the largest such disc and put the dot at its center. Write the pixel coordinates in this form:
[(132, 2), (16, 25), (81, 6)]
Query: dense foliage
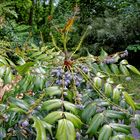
[(51, 86)]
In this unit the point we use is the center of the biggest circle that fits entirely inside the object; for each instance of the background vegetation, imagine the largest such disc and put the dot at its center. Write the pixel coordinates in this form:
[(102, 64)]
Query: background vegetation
[(66, 69)]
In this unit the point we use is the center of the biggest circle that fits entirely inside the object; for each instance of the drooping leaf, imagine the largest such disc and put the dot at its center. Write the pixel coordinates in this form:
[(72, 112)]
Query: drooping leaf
[(71, 107), (129, 100), (120, 128), (114, 114), (65, 130), (48, 126), (137, 121), (74, 119), (2, 133), (51, 91), (95, 123), (40, 129), (8, 76), (51, 104), (105, 133), (133, 69), (19, 103), (54, 116), (24, 68), (88, 111)]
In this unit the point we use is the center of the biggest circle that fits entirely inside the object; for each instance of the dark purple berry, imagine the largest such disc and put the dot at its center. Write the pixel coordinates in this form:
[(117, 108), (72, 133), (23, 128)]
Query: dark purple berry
[(25, 123)]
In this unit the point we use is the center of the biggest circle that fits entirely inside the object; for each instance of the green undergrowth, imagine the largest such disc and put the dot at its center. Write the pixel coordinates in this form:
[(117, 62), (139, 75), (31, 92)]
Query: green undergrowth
[(132, 85)]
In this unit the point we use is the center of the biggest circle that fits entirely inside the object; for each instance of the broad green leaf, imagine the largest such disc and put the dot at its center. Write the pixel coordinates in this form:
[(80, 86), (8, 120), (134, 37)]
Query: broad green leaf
[(38, 82), (95, 123), (20, 103), (137, 121), (124, 70), (105, 68), (116, 95), (105, 133), (2, 133), (52, 104), (2, 70), (129, 100), (71, 107), (114, 114), (8, 76), (23, 69), (15, 108), (42, 57), (97, 82), (40, 129), (122, 137), (88, 111), (103, 55), (2, 107), (35, 54), (74, 119), (54, 116), (124, 62), (51, 91), (3, 60), (120, 128), (48, 126), (65, 130), (133, 69), (108, 89), (95, 68), (114, 69)]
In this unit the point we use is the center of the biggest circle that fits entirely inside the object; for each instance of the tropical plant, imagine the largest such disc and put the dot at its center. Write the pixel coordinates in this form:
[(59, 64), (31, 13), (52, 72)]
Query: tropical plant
[(50, 93)]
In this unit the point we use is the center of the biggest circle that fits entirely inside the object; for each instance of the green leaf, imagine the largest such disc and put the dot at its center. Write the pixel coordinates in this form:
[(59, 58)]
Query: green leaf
[(98, 82), (95, 123), (133, 69), (114, 114), (40, 129), (65, 130), (15, 108), (108, 89), (137, 121), (129, 100), (122, 137), (8, 76), (114, 69), (124, 62), (2, 70), (47, 126), (52, 104), (54, 116), (105, 133), (20, 103), (120, 128), (23, 69), (3, 60), (38, 82), (51, 91), (74, 119), (103, 55), (88, 111), (71, 107), (2, 133), (116, 95), (105, 68), (124, 70)]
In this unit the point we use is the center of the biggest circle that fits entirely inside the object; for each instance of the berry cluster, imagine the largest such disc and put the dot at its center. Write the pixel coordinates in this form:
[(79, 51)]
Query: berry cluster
[(109, 61), (124, 54), (66, 77)]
